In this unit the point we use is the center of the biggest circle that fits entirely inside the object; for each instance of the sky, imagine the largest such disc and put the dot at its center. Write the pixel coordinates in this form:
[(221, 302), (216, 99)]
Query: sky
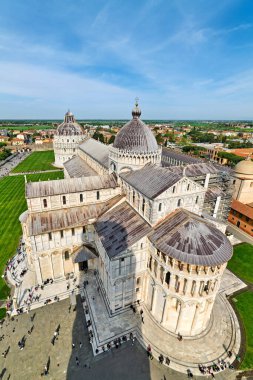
[(183, 59)]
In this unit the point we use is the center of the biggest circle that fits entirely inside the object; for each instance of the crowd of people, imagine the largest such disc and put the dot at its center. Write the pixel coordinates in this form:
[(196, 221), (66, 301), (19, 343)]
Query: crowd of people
[(13, 161)]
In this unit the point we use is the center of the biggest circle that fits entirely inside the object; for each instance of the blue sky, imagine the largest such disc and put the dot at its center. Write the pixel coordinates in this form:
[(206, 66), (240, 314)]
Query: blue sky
[(183, 59)]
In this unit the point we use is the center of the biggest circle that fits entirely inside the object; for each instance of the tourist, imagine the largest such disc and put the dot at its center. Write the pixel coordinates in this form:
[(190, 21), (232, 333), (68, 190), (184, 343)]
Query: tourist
[(80, 344), (73, 345), (77, 361), (161, 358), (179, 337), (149, 352), (167, 361)]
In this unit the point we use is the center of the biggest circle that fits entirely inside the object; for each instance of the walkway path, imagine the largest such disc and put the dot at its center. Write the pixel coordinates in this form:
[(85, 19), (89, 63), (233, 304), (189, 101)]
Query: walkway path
[(35, 172), (239, 234)]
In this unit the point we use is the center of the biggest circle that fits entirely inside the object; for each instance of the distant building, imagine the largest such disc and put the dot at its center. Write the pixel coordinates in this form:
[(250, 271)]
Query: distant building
[(241, 213), (67, 138), (16, 141)]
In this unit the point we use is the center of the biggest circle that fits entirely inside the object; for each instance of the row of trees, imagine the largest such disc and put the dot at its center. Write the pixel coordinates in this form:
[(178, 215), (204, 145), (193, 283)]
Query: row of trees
[(233, 159), (5, 153), (100, 137)]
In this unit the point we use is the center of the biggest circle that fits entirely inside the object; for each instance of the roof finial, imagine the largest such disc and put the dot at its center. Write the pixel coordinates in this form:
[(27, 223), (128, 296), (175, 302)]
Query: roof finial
[(136, 112)]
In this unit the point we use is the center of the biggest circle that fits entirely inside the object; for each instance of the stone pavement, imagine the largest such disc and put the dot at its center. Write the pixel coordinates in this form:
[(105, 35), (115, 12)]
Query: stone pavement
[(128, 362), (222, 336)]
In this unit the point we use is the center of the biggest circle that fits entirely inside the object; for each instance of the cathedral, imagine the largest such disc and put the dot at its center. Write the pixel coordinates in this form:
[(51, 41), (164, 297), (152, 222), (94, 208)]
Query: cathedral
[(151, 225)]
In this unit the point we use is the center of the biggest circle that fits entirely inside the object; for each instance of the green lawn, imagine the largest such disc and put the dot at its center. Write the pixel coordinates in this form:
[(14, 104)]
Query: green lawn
[(244, 306), (37, 161), (2, 312), (241, 264), (12, 204), (242, 261)]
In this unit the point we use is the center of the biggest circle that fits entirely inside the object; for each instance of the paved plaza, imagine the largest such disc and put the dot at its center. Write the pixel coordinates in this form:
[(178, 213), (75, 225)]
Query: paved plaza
[(127, 362), (222, 336)]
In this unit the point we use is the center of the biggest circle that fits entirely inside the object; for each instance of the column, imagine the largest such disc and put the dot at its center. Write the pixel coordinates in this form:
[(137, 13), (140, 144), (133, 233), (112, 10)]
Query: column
[(181, 319), (38, 271), (164, 307), (207, 313), (153, 297), (195, 318)]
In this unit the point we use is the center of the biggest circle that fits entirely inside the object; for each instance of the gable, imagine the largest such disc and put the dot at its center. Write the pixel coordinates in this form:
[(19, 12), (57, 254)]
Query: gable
[(183, 186)]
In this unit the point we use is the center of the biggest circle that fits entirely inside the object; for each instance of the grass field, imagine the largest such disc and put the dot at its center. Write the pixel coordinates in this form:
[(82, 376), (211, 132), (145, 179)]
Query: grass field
[(242, 262), (37, 161), (244, 306), (2, 313), (12, 204)]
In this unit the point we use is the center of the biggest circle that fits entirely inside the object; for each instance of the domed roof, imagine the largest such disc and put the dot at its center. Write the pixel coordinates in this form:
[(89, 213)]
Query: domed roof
[(135, 136), (70, 127), (245, 166), (191, 239)]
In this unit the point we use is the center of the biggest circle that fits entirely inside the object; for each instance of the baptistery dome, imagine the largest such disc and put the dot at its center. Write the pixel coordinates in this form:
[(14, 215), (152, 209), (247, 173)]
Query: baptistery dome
[(135, 136), (69, 127), (67, 138)]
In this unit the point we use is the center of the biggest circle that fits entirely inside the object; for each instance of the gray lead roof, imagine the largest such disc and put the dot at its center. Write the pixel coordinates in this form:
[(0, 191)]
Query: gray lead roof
[(76, 167), (151, 180), (189, 238), (120, 228), (96, 150), (70, 185)]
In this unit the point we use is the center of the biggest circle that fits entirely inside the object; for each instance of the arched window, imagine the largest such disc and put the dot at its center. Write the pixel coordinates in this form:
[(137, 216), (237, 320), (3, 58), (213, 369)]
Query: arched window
[(133, 197), (173, 189), (160, 207), (44, 202), (167, 278), (66, 255), (81, 197), (179, 203), (98, 195), (197, 199), (64, 199), (188, 187), (143, 205)]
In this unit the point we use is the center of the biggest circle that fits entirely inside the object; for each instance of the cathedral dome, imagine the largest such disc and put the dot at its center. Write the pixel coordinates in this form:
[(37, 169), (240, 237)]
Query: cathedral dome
[(244, 167), (135, 136), (69, 127)]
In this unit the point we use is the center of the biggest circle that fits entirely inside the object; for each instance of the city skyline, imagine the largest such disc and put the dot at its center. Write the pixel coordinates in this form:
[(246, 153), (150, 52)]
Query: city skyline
[(184, 61)]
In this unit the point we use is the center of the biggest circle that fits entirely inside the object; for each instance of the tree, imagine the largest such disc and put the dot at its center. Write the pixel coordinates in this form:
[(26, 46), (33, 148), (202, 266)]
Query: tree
[(159, 138), (111, 139)]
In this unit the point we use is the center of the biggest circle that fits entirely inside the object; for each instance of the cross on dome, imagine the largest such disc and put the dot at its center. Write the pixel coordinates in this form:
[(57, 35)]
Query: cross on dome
[(136, 112)]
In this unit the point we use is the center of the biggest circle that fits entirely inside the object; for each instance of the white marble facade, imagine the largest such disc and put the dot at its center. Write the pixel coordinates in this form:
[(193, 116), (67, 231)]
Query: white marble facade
[(62, 218)]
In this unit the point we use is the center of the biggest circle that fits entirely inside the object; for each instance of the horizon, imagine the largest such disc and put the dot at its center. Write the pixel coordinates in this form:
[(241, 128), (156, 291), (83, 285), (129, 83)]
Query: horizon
[(125, 120), (185, 60)]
